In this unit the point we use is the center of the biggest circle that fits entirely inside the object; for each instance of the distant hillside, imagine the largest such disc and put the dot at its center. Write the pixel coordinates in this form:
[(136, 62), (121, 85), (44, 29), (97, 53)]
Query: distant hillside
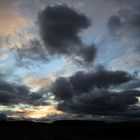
[(69, 130)]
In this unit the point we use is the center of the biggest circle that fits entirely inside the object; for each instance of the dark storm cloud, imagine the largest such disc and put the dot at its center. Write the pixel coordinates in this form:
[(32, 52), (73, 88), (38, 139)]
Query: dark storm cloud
[(64, 88), (101, 78), (84, 98), (60, 29), (100, 102), (11, 94), (89, 93)]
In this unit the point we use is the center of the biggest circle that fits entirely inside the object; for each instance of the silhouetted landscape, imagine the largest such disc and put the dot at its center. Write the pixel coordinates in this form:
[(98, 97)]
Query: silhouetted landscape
[(69, 130)]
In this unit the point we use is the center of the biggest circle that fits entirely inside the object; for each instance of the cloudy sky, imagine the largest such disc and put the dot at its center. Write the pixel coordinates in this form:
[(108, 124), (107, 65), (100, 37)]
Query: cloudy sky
[(69, 58)]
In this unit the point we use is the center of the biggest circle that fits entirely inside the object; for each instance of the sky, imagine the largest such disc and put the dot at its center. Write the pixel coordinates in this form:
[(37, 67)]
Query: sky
[(71, 59)]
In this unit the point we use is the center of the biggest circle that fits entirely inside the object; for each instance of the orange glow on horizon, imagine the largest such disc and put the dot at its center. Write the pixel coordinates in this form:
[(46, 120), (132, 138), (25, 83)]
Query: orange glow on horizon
[(42, 111)]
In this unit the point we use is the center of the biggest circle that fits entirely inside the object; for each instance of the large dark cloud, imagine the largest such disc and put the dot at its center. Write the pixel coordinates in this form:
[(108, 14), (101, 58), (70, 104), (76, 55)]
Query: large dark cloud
[(89, 93), (82, 81), (60, 29), (100, 102), (11, 94), (100, 78)]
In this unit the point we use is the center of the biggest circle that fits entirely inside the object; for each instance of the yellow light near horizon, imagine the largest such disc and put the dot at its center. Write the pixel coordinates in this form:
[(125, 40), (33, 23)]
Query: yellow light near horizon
[(30, 112), (42, 111)]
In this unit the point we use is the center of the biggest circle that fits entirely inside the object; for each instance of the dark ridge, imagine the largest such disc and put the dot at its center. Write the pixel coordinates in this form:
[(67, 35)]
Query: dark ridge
[(78, 123), (69, 130)]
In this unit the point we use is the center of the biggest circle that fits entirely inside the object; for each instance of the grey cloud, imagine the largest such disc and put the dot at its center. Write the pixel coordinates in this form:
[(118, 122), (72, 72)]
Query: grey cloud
[(137, 48), (100, 78), (11, 94), (126, 20), (64, 88), (89, 93), (130, 3), (60, 29), (126, 23), (115, 24), (130, 85), (100, 102), (31, 51), (87, 54)]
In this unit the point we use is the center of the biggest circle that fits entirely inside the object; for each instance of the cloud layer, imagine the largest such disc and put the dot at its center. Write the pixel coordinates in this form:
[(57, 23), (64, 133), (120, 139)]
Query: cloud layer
[(90, 93), (11, 94)]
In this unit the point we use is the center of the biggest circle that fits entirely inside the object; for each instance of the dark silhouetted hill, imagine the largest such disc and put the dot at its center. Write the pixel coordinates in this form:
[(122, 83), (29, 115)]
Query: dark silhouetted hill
[(69, 130)]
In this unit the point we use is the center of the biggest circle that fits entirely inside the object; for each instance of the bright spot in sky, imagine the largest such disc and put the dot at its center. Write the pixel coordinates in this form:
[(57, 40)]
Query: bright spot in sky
[(42, 111)]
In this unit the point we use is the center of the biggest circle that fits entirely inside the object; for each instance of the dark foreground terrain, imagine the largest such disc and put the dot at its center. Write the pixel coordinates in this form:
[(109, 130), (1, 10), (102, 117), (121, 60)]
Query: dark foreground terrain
[(69, 130)]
